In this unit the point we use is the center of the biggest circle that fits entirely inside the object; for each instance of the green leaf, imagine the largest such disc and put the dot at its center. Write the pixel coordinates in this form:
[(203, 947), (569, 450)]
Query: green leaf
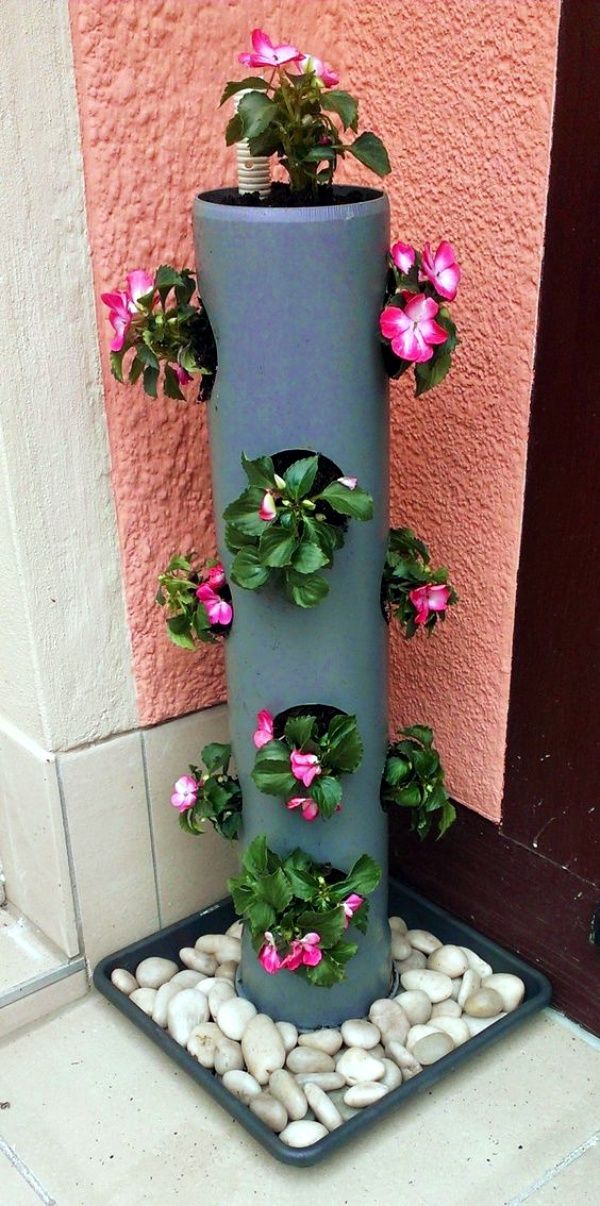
[(216, 756), (397, 770), (261, 916), (166, 277), (329, 925), (343, 104), (327, 793), (243, 512), (363, 878), (420, 732), (309, 557), (135, 370), (248, 571), (272, 773), (300, 476), (239, 540), (432, 372), (276, 546), (178, 628), (299, 730), (426, 763), (324, 535), (345, 745), (320, 154), (255, 860), (256, 112), (234, 130), (356, 503), (171, 384), (369, 149), (305, 590), (447, 818), (116, 364), (151, 381), (251, 81), (409, 797), (275, 889), (327, 973), (260, 472)]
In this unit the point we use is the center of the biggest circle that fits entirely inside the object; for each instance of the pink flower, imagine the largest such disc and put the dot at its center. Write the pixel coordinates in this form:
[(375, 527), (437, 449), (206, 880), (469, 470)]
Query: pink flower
[(216, 576), (305, 767), (119, 317), (217, 610), (269, 956), (138, 284), (264, 729), (412, 331), (265, 54), (182, 374), (349, 482), (350, 906), (268, 509), (441, 269), (311, 951), (185, 793), (309, 807), (426, 599), (403, 256), (323, 72)]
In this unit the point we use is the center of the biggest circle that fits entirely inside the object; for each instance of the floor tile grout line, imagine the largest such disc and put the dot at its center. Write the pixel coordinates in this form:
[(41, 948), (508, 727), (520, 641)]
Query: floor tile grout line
[(555, 1171), (151, 828), (26, 1173)]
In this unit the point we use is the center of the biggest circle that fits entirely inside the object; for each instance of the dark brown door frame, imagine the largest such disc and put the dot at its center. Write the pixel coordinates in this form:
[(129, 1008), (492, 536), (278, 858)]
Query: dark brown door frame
[(533, 883)]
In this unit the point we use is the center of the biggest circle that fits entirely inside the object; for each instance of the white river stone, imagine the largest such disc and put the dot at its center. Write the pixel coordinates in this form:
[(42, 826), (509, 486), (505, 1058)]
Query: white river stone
[(510, 988), (433, 1047), (423, 940), (218, 993), (484, 1003), (153, 972), (476, 1025), (198, 961), (236, 929), (161, 1003), (415, 960), (124, 981), (262, 1047), (357, 1065), (189, 979), (327, 1040), (457, 1029), (144, 998), (227, 971), (289, 1035), (448, 959), (390, 1019), (476, 963), (446, 1009), (392, 1076), (357, 1032), (202, 1043), (471, 981), (418, 1032), (408, 1065), (223, 947), (416, 1005), (322, 1107), (365, 1094), (346, 1111), (436, 985), (242, 1085), (401, 947), (303, 1134), (233, 1017), (309, 1059), (186, 1010), (228, 1057), (328, 1081), (270, 1111), (397, 925), (285, 1088)]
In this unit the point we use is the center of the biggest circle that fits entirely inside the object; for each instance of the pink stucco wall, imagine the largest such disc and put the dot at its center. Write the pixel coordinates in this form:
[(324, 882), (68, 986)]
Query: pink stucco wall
[(462, 93)]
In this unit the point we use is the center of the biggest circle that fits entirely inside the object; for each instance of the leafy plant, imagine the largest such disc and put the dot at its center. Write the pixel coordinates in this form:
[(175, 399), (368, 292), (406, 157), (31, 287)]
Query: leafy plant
[(411, 590), (289, 898), (216, 795), (416, 326), (303, 767), (413, 777), (197, 601), (155, 318), (284, 531), (294, 114)]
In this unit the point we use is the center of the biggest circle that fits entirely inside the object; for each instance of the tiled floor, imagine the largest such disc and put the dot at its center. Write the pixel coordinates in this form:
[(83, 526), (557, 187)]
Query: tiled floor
[(24, 952), (91, 1114)]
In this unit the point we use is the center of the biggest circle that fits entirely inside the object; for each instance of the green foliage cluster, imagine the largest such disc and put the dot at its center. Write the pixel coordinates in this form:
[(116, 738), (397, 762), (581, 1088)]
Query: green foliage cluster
[(431, 372), (408, 566), (339, 750), (413, 777), (187, 619), (219, 797)]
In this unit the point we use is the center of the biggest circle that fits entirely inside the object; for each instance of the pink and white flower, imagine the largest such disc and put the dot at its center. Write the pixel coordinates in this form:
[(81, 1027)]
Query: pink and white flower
[(305, 767), (403, 256), (269, 956), (308, 807), (350, 906), (216, 608), (349, 482), (328, 77), (427, 599), (123, 304), (309, 949), (413, 333), (268, 507), (185, 793), (264, 729), (215, 576), (265, 54), (441, 269)]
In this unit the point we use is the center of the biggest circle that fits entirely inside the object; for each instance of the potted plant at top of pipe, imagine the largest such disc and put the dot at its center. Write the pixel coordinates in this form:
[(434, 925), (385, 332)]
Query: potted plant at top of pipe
[(302, 295)]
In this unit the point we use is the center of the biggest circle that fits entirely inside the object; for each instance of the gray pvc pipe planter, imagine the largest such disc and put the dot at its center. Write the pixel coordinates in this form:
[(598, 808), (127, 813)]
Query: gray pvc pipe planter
[(294, 296)]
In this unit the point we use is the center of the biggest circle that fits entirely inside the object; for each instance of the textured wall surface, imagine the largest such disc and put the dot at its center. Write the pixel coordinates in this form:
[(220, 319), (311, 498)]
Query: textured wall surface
[(462, 93)]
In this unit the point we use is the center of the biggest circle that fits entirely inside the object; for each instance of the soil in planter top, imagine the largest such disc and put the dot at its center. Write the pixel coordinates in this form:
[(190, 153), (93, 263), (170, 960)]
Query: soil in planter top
[(282, 197)]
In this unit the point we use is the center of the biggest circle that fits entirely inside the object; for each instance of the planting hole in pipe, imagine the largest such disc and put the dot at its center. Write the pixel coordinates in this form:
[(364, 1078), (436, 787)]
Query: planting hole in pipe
[(302, 755)]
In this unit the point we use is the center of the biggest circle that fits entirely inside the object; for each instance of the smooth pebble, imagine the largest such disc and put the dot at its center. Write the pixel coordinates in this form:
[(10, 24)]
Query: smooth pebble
[(455, 1027), (448, 959), (144, 998), (189, 979), (436, 985), (262, 1047), (227, 971), (476, 963), (153, 972), (303, 1134), (285, 1087), (476, 1025), (228, 1057), (186, 1010), (401, 947), (392, 1076), (223, 947), (270, 1111), (510, 989), (357, 1065), (397, 925), (322, 1107), (309, 1059), (357, 1032), (124, 981), (416, 1005), (202, 1043), (233, 1017), (446, 1009), (423, 940), (415, 960), (432, 1047), (242, 1085), (328, 1081), (218, 993), (327, 1040), (364, 1094), (161, 1002), (236, 929), (404, 1058), (198, 961), (484, 1003), (289, 1035), (471, 981), (390, 1019)]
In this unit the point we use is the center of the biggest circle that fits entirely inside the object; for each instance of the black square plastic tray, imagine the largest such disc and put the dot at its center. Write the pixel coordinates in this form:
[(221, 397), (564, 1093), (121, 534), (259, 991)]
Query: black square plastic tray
[(419, 914)]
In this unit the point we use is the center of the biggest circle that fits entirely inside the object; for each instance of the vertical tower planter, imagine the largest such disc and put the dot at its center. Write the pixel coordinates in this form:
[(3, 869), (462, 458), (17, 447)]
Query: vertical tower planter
[(294, 296)]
